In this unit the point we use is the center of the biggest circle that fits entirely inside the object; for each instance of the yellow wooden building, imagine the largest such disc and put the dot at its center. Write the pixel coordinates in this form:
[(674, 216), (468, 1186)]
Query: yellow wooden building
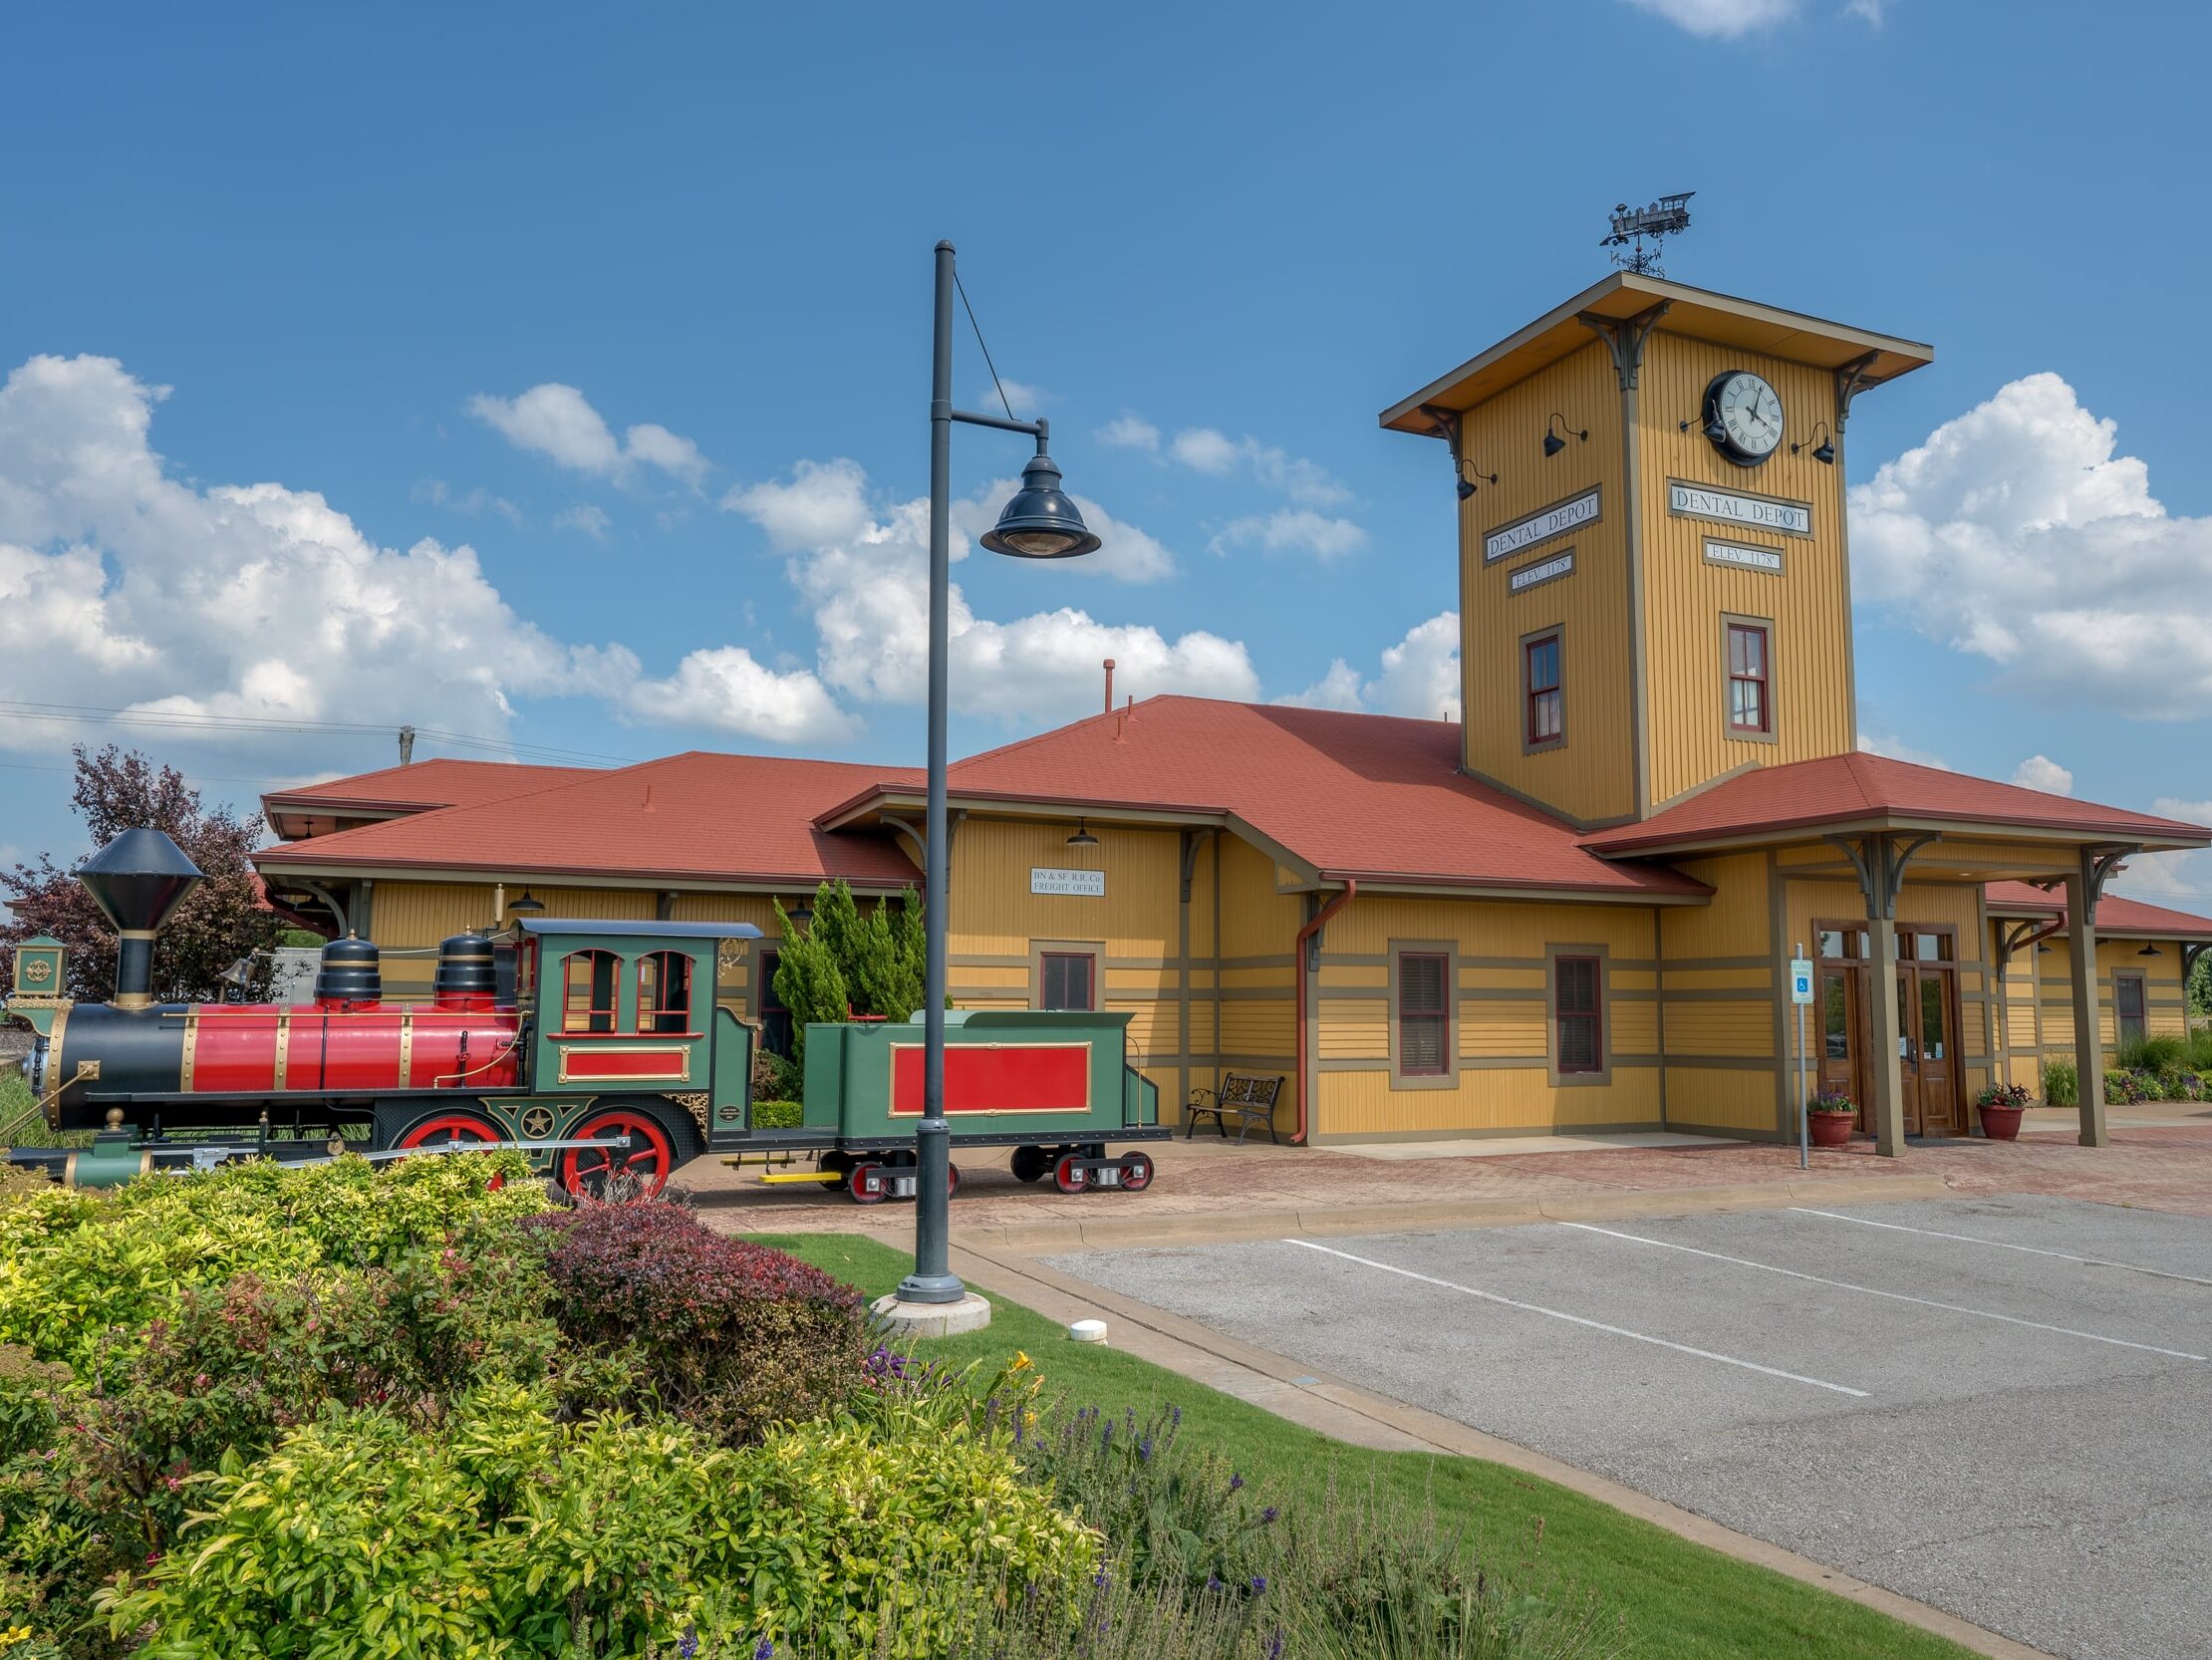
[(1575, 909)]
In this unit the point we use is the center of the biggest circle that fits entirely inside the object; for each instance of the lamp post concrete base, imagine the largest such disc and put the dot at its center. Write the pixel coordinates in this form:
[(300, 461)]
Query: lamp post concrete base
[(933, 1319)]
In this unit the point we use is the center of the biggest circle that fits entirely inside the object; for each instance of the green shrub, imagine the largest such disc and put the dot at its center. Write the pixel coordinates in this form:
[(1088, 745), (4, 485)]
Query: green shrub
[(237, 1366), (508, 1533), (77, 1266), (2161, 1052), (779, 1115), (729, 1336), (2061, 1084)]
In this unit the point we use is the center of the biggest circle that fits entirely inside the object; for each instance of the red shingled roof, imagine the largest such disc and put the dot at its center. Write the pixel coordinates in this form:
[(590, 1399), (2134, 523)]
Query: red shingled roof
[(1843, 789), (1366, 795), (691, 817), (438, 782), (2114, 915)]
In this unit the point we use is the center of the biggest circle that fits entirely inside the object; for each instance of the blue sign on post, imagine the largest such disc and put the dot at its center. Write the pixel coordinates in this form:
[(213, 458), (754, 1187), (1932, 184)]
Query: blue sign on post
[(1801, 981)]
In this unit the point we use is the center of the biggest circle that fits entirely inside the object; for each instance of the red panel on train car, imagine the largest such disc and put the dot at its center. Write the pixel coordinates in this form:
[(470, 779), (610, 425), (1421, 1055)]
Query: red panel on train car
[(996, 1078), (254, 1046), (578, 1062)]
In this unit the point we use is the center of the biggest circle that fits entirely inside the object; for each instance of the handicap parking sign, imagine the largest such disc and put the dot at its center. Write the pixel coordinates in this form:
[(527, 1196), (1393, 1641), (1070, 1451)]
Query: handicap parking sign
[(1800, 979)]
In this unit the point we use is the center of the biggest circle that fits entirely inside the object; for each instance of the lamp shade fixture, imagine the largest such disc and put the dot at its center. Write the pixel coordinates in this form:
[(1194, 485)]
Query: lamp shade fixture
[(1040, 521)]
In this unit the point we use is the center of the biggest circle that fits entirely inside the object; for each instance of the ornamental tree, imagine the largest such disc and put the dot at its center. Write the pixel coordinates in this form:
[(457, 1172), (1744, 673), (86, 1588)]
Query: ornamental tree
[(224, 919), (848, 963)]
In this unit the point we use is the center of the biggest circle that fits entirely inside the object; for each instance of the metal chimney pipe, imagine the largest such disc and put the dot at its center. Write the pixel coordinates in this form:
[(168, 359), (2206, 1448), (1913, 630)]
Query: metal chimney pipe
[(138, 881), (1109, 685)]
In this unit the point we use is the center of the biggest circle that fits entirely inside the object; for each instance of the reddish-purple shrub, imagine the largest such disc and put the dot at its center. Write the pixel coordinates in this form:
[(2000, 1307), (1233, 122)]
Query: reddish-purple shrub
[(727, 1335)]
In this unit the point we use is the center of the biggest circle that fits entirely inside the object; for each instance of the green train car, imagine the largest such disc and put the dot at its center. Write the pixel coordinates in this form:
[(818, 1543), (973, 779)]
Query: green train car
[(1054, 1085)]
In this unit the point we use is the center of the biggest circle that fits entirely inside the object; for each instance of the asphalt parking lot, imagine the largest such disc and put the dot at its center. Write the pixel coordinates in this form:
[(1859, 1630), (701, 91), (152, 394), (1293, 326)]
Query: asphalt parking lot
[(2001, 1405)]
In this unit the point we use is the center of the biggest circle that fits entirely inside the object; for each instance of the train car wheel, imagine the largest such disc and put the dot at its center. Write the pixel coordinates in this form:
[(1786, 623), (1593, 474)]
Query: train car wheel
[(868, 1185), (440, 1128), (1029, 1163), (952, 1180), (638, 1171), (842, 1163), (1070, 1176), (1136, 1172)]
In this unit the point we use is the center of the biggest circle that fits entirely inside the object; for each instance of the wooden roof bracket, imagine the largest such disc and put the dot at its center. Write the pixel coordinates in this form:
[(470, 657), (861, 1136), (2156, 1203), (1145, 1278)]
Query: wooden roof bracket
[(1192, 840), (2097, 865), (1853, 379), (1624, 337), (2017, 937), (1881, 862), (1447, 427)]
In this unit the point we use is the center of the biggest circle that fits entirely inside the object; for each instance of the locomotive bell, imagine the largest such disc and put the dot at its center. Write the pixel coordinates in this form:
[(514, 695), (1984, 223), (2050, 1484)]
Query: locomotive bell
[(138, 881)]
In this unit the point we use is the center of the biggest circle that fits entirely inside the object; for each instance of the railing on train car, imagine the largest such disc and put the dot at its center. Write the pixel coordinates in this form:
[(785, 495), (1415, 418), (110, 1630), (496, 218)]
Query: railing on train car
[(1139, 1099)]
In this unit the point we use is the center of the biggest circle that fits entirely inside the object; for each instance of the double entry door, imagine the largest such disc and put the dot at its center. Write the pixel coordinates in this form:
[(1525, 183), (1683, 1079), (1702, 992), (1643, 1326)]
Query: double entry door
[(1927, 1025)]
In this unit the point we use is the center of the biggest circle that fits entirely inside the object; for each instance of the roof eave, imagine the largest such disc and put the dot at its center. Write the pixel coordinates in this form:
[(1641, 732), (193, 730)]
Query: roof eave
[(290, 863), (1781, 831)]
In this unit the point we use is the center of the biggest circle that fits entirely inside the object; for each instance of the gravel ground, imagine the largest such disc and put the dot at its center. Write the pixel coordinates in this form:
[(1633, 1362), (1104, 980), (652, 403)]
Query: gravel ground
[(2022, 1454)]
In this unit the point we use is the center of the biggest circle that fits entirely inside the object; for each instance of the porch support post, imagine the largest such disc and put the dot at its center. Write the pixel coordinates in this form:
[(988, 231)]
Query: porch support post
[(1884, 1034), (2083, 888), (1880, 861)]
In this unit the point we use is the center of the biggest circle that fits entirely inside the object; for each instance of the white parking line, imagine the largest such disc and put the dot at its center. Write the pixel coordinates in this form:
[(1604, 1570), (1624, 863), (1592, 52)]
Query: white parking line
[(1576, 1320), (1894, 1296), (2002, 1245)]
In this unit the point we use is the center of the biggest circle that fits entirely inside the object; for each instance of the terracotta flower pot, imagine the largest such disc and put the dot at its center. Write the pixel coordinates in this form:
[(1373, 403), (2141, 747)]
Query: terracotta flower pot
[(2001, 1123), (1831, 1129)]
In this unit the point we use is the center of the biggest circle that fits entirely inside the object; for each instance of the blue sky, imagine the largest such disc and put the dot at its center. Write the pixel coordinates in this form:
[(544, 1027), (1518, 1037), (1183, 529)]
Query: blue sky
[(350, 252)]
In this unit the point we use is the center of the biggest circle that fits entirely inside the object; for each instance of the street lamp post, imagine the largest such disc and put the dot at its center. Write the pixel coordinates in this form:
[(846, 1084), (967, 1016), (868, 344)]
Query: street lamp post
[(1039, 522)]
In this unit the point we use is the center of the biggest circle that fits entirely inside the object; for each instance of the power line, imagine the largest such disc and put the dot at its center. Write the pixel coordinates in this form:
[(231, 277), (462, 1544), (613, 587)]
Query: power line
[(192, 720)]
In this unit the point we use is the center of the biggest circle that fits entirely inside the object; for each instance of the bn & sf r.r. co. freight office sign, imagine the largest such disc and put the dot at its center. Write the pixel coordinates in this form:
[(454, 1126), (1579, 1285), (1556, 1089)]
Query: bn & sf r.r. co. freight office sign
[(1541, 526)]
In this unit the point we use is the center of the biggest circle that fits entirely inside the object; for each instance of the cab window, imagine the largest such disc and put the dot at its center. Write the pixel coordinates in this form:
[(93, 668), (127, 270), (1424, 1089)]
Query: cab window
[(591, 990), (664, 991)]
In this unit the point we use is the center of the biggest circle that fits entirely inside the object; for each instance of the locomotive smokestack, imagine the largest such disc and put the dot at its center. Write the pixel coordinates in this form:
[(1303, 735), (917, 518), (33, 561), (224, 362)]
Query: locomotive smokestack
[(138, 880)]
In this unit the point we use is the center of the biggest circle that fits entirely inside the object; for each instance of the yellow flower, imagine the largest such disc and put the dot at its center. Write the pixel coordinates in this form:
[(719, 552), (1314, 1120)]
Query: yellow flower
[(1021, 1362)]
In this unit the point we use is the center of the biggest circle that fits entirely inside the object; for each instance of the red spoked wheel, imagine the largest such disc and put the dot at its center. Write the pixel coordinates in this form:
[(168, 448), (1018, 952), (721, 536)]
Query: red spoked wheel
[(868, 1185), (1136, 1172), (443, 1128), (1069, 1175), (617, 1172)]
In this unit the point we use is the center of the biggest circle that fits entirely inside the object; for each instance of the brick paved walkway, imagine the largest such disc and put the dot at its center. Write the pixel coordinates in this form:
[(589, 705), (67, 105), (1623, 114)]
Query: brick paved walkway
[(2158, 1167)]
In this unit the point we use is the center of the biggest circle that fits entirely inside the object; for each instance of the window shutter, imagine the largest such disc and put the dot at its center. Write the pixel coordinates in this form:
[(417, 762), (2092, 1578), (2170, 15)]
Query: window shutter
[(1424, 1024)]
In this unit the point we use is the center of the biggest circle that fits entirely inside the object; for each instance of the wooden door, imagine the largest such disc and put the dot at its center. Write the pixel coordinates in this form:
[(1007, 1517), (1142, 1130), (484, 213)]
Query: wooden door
[(1908, 1045), (1935, 1051)]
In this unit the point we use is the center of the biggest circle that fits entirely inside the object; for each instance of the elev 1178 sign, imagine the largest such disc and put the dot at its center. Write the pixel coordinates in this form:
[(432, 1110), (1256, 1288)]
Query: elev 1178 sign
[(1083, 883)]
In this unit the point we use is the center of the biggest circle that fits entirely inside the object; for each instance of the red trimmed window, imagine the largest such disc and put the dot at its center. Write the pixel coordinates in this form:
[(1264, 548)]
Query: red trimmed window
[(1067, 979), (1581, 1045), (1547, 703), (664, 991), (591, 990), (1423, 1014), (1751, 707)]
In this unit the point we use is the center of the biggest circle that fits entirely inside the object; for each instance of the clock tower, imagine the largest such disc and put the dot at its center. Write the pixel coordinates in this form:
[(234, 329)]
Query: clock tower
[(1654, 576)]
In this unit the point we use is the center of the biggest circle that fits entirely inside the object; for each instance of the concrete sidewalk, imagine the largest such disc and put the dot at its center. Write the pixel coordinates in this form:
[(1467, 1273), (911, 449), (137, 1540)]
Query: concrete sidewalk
[(1211, 1190)]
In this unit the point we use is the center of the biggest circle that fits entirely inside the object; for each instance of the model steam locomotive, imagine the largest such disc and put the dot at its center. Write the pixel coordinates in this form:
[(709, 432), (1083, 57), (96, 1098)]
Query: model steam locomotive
[(596, 1047)]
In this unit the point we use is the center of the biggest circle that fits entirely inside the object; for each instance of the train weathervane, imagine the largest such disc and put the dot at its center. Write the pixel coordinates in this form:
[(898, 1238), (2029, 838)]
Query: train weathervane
[(1634, 226)]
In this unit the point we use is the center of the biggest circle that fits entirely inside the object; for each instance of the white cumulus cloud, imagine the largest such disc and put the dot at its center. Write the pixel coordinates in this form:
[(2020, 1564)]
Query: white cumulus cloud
[(1721, 19), (559, 422), (2179, 880), (1418, 675), (1896, 749), (1293, 529), (2019, 534), (1129, 432), (124, 588), (591, 520), (864, 576), (2041, 772), (1203, 450)]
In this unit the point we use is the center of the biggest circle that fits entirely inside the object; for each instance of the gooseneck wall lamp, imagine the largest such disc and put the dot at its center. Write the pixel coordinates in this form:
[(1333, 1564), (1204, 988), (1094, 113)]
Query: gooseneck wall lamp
[(1463, 468), (1554, 441), (1826, 452), (1039, 522)]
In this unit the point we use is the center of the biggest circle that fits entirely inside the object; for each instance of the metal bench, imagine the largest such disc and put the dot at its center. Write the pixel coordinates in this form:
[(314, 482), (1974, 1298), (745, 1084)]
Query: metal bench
[(1250, 1100)]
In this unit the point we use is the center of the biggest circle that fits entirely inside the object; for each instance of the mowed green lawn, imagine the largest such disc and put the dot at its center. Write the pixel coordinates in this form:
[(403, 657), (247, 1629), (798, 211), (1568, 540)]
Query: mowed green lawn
[(1676, 1600)]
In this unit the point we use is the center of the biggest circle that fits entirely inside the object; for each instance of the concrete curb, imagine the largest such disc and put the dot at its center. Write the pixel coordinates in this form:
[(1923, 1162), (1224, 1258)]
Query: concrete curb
[(1345, 1411), (1229, 1226)]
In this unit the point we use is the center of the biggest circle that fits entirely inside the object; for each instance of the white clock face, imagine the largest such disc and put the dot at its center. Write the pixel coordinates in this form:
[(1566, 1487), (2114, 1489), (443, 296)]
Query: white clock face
[(1747, 414)]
